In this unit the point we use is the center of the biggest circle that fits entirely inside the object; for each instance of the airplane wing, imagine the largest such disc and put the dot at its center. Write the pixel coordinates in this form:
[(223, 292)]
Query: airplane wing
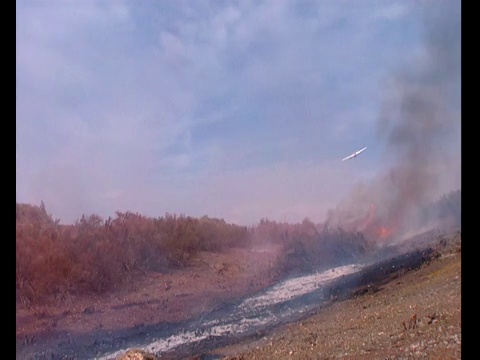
[(360, 151)]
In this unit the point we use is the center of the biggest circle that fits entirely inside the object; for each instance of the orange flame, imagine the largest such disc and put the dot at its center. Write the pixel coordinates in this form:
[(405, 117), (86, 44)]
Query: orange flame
[(384, 232), (375, 225)]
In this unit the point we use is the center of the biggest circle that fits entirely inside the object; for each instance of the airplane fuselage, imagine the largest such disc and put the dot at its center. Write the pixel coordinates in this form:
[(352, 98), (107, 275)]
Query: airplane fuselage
[(355, 154)]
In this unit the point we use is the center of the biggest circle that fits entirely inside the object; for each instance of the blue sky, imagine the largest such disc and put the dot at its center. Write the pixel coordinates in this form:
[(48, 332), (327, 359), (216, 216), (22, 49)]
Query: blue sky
[(233, 109)]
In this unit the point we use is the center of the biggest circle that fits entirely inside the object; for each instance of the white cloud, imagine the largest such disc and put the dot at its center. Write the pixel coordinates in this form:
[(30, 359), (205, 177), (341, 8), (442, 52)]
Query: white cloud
[(196, 106), (392, 11)]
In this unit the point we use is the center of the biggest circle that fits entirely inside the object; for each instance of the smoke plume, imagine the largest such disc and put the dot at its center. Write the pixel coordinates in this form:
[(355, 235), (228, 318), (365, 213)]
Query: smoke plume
[(418, 127)]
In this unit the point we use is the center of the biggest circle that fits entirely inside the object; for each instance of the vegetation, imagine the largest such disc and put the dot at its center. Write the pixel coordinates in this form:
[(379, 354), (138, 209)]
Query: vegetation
[(95, 255)]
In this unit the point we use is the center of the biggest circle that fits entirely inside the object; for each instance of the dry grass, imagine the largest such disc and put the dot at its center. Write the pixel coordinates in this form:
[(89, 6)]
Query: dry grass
[(97, 256)]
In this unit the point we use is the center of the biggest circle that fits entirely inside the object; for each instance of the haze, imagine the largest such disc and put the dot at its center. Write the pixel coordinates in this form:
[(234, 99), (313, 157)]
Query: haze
[(239, 110)]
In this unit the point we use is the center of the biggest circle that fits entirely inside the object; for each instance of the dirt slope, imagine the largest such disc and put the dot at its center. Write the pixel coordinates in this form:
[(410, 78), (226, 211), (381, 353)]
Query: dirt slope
[(156, 298), (415, 316)]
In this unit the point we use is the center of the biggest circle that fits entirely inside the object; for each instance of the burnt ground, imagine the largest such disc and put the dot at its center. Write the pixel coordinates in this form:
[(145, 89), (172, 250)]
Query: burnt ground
[(405, 304), (410, 314), (74, 327)]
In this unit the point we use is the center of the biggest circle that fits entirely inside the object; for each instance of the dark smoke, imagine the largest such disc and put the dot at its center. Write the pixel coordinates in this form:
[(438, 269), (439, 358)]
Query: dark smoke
[(418, 125)]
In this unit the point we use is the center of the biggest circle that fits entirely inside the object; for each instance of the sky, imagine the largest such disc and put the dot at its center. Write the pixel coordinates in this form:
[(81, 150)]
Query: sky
[(239, 110)]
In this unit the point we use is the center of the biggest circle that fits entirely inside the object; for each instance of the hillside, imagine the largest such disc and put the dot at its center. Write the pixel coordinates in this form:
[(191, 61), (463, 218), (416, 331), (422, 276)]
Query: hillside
[(409, 314), (416, 315), (83, 289)]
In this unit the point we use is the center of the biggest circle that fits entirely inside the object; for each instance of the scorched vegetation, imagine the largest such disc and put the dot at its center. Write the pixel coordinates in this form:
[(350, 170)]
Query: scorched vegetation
[(95, 255)]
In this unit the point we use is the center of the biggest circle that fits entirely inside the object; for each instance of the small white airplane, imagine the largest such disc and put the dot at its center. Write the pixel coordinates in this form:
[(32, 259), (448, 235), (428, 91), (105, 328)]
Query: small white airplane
[(355, 154)]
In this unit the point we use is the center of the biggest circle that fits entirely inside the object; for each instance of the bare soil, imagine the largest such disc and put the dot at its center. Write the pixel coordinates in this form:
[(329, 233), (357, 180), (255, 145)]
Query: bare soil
[(155, 298), (416, 315), (413, 315)]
